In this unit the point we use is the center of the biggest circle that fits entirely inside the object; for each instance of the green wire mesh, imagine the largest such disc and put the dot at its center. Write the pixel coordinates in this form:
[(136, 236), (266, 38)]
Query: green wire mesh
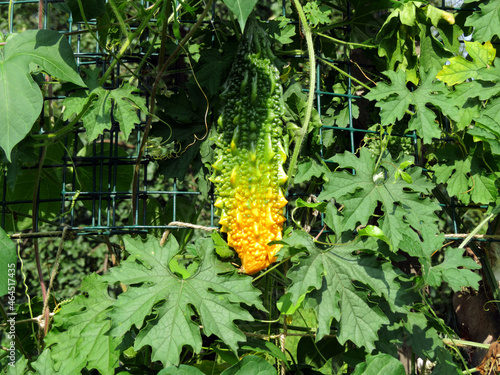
[(102, 203)]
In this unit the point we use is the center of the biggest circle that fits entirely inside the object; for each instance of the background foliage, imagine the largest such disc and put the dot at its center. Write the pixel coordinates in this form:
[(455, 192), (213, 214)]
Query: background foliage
[(391, 127)]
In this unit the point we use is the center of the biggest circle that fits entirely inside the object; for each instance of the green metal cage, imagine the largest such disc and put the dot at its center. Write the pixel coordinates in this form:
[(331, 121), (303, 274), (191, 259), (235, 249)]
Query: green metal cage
[(102, 205)]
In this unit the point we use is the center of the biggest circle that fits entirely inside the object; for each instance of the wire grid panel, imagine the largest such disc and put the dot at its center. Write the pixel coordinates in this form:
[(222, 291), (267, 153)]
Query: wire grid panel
[(94, 194), (90, 189)]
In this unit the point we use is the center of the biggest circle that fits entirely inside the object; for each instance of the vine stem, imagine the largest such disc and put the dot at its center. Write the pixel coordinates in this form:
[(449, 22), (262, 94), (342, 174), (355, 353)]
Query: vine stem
[(34, 215), (339, 41), (40, 14), (46, 310), (346, 74), (302, 133), (154, 89), (493, 213)]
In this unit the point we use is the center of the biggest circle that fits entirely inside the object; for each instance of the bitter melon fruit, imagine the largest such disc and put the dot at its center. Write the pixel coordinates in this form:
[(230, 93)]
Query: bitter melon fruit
[(248, 169)]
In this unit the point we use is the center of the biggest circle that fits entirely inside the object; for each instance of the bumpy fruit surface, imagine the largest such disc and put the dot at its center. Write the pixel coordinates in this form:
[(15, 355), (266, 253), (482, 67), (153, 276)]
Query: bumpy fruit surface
[(248, 170)]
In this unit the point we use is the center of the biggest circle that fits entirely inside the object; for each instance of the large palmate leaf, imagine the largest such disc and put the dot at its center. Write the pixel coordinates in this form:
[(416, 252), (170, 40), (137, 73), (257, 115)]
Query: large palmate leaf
[(20, 97), (455, 270), (395, 99), (473, 89), (486, 23), (361, 193), (211, 297), (98, 116), (331, 279), (79, 338), (464, 177)]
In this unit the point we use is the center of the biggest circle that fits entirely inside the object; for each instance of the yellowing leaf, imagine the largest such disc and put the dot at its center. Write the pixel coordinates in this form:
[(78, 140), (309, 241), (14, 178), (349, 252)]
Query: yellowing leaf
[(461, 69), (436, 15)]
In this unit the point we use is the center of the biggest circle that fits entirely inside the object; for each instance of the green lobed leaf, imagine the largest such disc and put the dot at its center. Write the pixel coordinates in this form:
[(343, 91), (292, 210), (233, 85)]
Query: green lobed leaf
[(421, 335), (281, 34), (473, 89), (361, 193), (295, 106), (19, 367), (241, 9), (98, 116), (80, 339), (454, 174), (484, 189), (251, 364), (400, 26), (8, 260), (327, 279), (395, 99), (44, 365), (316, 14), (490, 115), (465, 176), (455, 270), (486, 23), (261, 346), (433, 54), (213, 293), (450, 35), (380, 364), (308, 169)]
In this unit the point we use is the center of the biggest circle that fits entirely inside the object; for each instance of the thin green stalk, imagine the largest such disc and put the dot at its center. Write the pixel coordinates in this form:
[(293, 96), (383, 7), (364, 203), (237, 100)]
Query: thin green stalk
[(302, 134), (465, 343), (10, 20), (119, 17), (478, 251), (45, 309), (444, 328), (346, 74), (34, 214), (339, 41), (26, 289), (493, 213)]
